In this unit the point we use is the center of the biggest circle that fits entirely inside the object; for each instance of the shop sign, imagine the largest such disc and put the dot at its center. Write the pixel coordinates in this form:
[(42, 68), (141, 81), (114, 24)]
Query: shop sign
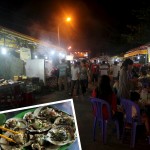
[(25, 54)]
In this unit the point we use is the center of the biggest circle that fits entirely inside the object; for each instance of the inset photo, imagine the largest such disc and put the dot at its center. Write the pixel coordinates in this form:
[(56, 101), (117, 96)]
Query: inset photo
[(50, 126)]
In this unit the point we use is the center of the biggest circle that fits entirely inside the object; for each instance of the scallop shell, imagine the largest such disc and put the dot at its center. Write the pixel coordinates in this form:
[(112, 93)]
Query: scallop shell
[(44, 129), (27, 114), (63, 142), (65, 120), (20, 123), (5, 144), (53, 113)]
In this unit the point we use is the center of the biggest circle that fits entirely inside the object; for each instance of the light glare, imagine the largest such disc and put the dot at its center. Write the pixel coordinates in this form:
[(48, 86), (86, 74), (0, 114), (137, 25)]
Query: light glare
[(68, 19), (4, 51)]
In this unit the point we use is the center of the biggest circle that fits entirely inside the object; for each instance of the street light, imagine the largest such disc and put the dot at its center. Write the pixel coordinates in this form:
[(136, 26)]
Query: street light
[(69, 47), (68, 19)]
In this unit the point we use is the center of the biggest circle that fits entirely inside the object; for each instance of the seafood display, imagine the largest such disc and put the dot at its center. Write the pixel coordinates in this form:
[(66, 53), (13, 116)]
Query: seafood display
[(44, 128), (14, 123)]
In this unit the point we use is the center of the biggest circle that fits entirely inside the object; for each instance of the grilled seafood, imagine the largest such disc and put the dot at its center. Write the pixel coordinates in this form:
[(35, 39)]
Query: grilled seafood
[(66, 120), (37, 125), (15, 123), (20, 139), (60, 135), (29, 116), (46, 112), (46, 128)]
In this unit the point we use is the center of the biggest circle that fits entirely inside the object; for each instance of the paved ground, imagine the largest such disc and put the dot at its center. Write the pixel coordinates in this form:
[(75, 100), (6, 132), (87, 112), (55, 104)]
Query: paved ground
[(85, 122)]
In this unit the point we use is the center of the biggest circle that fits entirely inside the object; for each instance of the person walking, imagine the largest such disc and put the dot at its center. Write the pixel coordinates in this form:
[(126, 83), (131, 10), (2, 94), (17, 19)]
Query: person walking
[(75, 71), (83, 76), (115, 71), (95, 72), (62, 79)]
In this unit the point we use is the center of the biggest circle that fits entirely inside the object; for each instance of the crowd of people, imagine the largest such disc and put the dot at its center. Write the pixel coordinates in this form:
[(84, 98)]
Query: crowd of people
[(127, 84), (109, 82), (75, 77)]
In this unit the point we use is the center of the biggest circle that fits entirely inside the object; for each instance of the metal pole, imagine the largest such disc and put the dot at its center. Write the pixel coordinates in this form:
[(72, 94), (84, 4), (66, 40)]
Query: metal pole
[(58, 36)]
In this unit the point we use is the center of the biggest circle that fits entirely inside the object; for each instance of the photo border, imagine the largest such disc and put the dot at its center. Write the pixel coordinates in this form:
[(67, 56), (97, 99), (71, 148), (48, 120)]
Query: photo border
[(50, 103)]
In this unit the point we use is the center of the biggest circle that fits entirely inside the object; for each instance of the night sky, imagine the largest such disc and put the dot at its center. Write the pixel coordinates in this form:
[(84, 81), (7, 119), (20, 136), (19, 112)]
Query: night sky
[(97, 25)]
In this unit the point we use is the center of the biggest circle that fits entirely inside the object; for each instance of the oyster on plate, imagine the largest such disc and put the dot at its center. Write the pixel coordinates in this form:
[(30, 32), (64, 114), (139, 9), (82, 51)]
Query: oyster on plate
[(65, 120), (29, 116), (21, 139), (41, 143), (46, 113), (15, 123), (61, 135), (37, 125)]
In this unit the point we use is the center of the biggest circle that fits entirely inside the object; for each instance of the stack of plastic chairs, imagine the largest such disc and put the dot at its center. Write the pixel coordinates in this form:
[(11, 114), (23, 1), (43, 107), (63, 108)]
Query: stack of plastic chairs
[(97, 105), (129, 119)]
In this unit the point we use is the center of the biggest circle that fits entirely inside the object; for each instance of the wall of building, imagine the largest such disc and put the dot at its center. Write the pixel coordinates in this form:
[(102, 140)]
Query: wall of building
[(11, 66)]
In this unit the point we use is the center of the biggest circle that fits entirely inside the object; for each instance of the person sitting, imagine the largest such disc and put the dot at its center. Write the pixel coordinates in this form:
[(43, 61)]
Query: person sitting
[(144, 117), (104, 91)]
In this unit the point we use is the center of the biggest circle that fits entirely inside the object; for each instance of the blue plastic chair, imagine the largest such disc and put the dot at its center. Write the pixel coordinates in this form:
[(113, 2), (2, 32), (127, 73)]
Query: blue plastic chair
[(97, 105), (134, 121)]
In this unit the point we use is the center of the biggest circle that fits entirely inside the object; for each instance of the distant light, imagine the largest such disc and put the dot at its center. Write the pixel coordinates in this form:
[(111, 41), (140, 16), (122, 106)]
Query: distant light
[(144, 56), (69, 57), (52, 52), (46, 57), (138, 57), (4, 50), (35, 56), (69, 47), (63, 55), (60, 54), (86, 54), (68, 19)]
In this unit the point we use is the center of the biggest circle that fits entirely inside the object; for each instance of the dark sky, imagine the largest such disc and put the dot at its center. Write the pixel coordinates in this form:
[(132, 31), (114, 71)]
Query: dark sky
[(96, 24)]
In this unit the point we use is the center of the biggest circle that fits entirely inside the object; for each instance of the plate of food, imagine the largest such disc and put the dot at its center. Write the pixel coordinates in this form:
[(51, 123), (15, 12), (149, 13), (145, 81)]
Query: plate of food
[(41, 128)]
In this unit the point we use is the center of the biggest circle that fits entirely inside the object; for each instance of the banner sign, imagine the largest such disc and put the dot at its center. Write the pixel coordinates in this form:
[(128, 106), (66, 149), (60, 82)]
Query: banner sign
[(25, 54)]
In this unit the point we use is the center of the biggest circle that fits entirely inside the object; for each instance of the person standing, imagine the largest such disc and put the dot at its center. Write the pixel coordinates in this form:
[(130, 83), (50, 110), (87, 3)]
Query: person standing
[(95, 72), (83, 76), (62, 79), (125, 79), (103, 69), (115, 71), (75, 71)]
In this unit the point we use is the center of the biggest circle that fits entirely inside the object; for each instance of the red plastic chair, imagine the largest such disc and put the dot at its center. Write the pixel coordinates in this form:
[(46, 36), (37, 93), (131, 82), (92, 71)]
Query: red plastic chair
[(97, 105)]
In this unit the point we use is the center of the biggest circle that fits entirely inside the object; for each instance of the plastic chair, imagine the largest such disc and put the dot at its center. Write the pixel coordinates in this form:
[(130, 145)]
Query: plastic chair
[(134, 121), (97, 105)]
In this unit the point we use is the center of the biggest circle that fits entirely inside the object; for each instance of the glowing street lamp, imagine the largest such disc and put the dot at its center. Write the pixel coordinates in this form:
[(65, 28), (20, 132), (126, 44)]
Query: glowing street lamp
[(68, 19), (69, 47)]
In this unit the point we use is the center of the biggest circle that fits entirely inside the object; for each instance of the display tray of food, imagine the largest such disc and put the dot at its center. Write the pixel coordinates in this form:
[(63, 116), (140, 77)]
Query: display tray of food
[(42, 128)]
